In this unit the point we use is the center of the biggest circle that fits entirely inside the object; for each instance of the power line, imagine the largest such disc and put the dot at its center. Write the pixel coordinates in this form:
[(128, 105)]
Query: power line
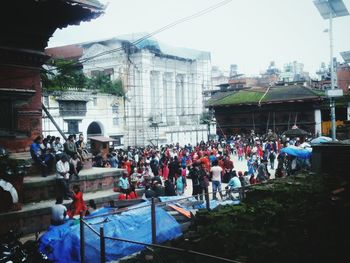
[(181, 20)]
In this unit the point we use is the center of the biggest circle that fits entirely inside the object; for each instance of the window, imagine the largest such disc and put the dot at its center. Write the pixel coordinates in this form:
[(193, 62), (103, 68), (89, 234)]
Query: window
[(73, 126), (117, 141), (115, 108), (6, 115), (72, 108), (116, 121), (94, 101), (106, 72)]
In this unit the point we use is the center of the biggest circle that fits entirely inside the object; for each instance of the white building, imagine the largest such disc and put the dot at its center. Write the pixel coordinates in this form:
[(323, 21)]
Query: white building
[(163, 85), (293, 72), (87, 112)]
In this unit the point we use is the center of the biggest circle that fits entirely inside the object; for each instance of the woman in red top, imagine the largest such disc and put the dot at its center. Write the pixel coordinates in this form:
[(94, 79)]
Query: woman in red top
[(126, 164), (78, 204)]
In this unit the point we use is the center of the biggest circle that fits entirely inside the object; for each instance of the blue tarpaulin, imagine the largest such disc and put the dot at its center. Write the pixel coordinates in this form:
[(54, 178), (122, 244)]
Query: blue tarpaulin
[(64, 240), (297, 152)]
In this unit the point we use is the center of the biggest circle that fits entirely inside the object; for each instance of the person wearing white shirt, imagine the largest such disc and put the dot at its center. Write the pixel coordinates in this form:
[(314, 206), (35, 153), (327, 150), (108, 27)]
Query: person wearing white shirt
[(62, 177), (215, 173), (58, 212)]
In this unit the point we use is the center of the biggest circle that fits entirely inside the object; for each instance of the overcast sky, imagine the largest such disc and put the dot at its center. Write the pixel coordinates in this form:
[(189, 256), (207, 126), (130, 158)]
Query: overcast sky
[(249, 33)]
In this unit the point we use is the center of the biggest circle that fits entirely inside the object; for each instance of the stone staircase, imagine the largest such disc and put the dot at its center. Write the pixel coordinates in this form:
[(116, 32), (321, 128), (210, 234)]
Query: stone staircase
[(38, 195)]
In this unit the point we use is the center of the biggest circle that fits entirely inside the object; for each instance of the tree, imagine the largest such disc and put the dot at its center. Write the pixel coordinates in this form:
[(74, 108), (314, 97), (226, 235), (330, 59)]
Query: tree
[(66, 74), (104, 84), (62, 75)]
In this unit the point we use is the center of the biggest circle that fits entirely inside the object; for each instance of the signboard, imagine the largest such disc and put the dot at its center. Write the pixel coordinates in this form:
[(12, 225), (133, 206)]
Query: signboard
[(332, 93)]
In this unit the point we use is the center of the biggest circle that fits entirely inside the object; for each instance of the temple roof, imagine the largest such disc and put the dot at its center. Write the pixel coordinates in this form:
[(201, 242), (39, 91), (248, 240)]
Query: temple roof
[(29, 24), (256, 96)]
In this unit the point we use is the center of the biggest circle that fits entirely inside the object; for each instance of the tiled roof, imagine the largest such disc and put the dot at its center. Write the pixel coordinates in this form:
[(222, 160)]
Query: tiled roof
[(278, 94), (67, 52), (73, 96)]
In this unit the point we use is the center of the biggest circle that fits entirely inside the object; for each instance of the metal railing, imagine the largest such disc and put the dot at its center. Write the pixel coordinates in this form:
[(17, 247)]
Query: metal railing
[(101, 234)]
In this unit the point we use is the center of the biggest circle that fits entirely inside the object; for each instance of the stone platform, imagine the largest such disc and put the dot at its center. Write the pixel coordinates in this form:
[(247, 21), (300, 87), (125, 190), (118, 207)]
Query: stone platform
[(39, 195)]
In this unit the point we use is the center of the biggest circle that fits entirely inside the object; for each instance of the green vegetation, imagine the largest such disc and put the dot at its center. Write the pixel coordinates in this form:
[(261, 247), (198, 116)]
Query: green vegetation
[(240, 97), (67, 74), (287, 220)]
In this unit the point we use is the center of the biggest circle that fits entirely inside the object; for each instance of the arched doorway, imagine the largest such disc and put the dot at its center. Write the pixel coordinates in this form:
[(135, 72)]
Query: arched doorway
[(94, 129)]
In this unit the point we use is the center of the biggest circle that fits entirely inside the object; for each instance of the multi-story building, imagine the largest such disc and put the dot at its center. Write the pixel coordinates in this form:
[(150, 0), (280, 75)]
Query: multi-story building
[(293, 72), (163, 86)]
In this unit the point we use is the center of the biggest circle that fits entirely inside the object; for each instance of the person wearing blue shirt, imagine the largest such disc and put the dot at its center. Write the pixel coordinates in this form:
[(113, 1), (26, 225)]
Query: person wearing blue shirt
[(233, 187), (124, 184)]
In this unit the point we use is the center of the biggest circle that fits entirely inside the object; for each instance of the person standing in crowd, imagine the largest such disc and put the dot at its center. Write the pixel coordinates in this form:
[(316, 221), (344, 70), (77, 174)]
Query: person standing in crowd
[(180, 184), (262, 172), (124, 184), (113, 160), (215, 173), (272, 157), (62, 177), (194, 175), (203, 181)]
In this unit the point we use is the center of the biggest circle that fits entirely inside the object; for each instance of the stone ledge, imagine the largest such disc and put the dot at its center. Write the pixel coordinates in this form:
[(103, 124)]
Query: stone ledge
[(36, 188)]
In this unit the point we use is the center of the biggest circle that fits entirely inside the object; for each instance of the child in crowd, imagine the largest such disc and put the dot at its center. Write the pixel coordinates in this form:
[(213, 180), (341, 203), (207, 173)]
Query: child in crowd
[(78, 204)]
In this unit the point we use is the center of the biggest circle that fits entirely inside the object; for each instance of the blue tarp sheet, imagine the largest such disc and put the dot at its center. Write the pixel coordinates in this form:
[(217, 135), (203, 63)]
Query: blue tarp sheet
[(298, 152), (64, 240)]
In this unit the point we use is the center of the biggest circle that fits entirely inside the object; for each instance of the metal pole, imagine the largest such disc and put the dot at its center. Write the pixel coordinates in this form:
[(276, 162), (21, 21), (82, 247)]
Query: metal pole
[(102, 245), (332, 100), (82, 239), (207, 202), (153, 222)]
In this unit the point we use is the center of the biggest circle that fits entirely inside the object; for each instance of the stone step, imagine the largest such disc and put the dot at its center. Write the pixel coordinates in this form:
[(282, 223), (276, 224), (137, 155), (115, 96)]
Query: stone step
[(37, 188), (25, 158), (35, 217)]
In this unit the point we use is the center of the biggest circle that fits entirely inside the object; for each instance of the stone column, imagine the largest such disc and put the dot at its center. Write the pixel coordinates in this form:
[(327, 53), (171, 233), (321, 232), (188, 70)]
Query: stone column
[(185, 104), (172, 98), (318, 122), (160, 99)]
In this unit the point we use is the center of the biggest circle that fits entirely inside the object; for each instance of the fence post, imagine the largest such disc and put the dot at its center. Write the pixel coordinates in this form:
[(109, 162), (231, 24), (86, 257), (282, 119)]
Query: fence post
[(82, 239), (102, 245), (153, 222), (207, 199)]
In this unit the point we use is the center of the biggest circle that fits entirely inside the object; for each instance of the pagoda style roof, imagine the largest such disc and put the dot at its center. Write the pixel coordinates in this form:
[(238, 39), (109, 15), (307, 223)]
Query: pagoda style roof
[(256, 96), (29, 24)]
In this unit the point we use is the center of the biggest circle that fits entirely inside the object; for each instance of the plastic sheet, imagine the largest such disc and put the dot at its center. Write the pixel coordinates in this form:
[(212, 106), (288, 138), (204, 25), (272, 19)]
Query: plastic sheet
[(64, 240)]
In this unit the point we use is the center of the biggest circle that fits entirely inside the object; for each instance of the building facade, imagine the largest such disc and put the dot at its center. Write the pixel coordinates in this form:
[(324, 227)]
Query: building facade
[(86, 112), (163, 87), (277, 108)]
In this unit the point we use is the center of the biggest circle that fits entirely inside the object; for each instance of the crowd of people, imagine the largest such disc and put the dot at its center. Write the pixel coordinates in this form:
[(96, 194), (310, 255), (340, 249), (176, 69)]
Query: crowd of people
[(165, 170)]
